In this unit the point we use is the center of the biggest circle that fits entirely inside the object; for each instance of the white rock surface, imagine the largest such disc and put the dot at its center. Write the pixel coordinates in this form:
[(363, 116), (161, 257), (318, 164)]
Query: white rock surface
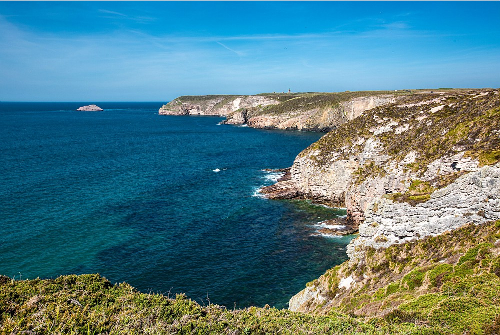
[(474, 197), (90, 108)]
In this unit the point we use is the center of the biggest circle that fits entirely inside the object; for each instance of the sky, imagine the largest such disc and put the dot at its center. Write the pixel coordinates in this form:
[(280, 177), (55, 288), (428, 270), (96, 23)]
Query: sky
[(156, 51)]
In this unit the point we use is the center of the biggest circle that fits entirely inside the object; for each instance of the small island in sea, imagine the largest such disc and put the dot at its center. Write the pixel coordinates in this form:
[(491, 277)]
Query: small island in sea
[(90, 108)]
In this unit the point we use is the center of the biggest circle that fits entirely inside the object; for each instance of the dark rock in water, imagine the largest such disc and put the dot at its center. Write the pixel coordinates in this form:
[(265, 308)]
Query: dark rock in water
[(283, 190), (90, 108), (287, 175)]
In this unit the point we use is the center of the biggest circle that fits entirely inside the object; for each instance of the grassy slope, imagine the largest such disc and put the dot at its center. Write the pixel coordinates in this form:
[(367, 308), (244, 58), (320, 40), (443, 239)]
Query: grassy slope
[(90, 304), (449, 282), (457, 295), (468, 122)]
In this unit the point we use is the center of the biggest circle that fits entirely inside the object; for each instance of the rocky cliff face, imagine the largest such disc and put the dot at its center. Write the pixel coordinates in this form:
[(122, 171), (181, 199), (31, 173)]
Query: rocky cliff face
[(215, 105), (472, 198), (297, 111), (425, 140), (421, 167)]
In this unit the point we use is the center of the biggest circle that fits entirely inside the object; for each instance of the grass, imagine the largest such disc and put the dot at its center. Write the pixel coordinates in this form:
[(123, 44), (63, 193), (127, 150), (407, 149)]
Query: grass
[(419, 191), (449, 282), (89, 304), (466, 124)]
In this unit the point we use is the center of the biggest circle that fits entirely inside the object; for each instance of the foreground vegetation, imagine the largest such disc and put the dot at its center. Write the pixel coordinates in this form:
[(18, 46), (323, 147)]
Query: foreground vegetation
[(90, 304), (448, 284)]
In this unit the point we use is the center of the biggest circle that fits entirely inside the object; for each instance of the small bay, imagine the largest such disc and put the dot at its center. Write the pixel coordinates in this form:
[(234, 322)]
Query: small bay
[(165, 203)]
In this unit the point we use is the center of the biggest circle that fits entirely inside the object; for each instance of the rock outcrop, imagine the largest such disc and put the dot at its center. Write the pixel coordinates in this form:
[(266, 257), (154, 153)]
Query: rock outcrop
[(216, 105), (472, 198), (291, 111), (425, 139), (419, 168), (90, 108)]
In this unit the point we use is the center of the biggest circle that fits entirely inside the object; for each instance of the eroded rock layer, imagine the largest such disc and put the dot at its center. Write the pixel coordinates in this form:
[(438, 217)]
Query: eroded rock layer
[(425, 166), (297, 111)]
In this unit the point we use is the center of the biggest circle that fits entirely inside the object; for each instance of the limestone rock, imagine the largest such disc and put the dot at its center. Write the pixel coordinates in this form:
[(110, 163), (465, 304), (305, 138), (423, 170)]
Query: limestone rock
[(474, 197), (301, 111), (90, 108), (214, 105)]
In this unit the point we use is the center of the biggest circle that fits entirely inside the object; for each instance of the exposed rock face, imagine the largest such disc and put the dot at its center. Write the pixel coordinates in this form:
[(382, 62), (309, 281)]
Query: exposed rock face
[(309, 116), (474, 197), (90, 108), (304, 111), (390, 147), (215, 105), (426, 166)]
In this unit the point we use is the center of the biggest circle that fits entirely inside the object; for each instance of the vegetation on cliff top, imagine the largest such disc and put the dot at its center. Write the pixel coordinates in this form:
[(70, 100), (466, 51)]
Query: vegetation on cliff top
[(427, 125), (446, 284), (290, 102), (89, 304), (449, 282)]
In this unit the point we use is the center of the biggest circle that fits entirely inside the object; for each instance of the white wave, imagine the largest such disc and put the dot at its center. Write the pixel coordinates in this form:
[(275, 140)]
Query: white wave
[(273, 176), (256, 192), (322, 224), (243, 125), (216, 170), (326, 235)]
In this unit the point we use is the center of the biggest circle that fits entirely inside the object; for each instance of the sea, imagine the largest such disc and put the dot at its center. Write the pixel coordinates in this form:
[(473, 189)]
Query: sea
[(168, 204)]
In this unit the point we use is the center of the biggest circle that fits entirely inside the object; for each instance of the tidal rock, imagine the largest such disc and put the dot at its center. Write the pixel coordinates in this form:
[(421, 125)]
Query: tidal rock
[(90, 108)]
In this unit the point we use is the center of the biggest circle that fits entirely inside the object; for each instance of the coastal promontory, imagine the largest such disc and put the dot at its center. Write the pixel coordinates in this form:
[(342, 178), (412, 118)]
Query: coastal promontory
[(289, 111), (419, 174)]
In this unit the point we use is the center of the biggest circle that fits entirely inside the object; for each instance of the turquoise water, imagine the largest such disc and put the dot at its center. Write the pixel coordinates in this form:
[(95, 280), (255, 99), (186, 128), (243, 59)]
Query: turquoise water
[(165, 203)]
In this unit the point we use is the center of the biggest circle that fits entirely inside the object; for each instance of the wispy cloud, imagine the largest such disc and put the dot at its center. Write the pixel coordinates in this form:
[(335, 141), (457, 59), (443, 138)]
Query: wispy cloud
[(111, 12), (144, 64), (228, 48), (118, 15)]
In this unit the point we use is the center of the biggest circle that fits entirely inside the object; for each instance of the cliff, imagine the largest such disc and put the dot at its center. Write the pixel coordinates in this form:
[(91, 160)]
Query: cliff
[(424, 166), (214, 105), (403, 151), (293, 111)]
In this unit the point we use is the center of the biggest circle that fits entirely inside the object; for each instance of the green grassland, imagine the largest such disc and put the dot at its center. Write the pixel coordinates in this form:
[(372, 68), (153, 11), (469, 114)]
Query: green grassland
[(449, 283)]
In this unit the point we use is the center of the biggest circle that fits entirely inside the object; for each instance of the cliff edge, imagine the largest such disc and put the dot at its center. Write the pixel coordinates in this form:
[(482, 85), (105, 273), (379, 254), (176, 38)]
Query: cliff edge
[(403, 151), (407, 173), (291, 111)]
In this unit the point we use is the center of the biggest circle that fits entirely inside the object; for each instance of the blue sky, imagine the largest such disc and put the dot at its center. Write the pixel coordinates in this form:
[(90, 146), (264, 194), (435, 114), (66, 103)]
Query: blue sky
[(155, 51)]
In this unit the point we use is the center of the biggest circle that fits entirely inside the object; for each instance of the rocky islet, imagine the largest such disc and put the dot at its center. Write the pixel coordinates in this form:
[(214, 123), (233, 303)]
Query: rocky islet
[(90, 108)]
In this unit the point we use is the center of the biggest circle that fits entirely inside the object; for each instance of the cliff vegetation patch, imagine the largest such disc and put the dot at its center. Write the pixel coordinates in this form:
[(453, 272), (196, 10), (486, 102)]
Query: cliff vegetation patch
[(449, 282), (465, 121)]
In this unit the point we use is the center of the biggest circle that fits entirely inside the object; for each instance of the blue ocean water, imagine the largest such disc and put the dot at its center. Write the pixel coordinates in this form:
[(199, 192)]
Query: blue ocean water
[(165, 203)]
